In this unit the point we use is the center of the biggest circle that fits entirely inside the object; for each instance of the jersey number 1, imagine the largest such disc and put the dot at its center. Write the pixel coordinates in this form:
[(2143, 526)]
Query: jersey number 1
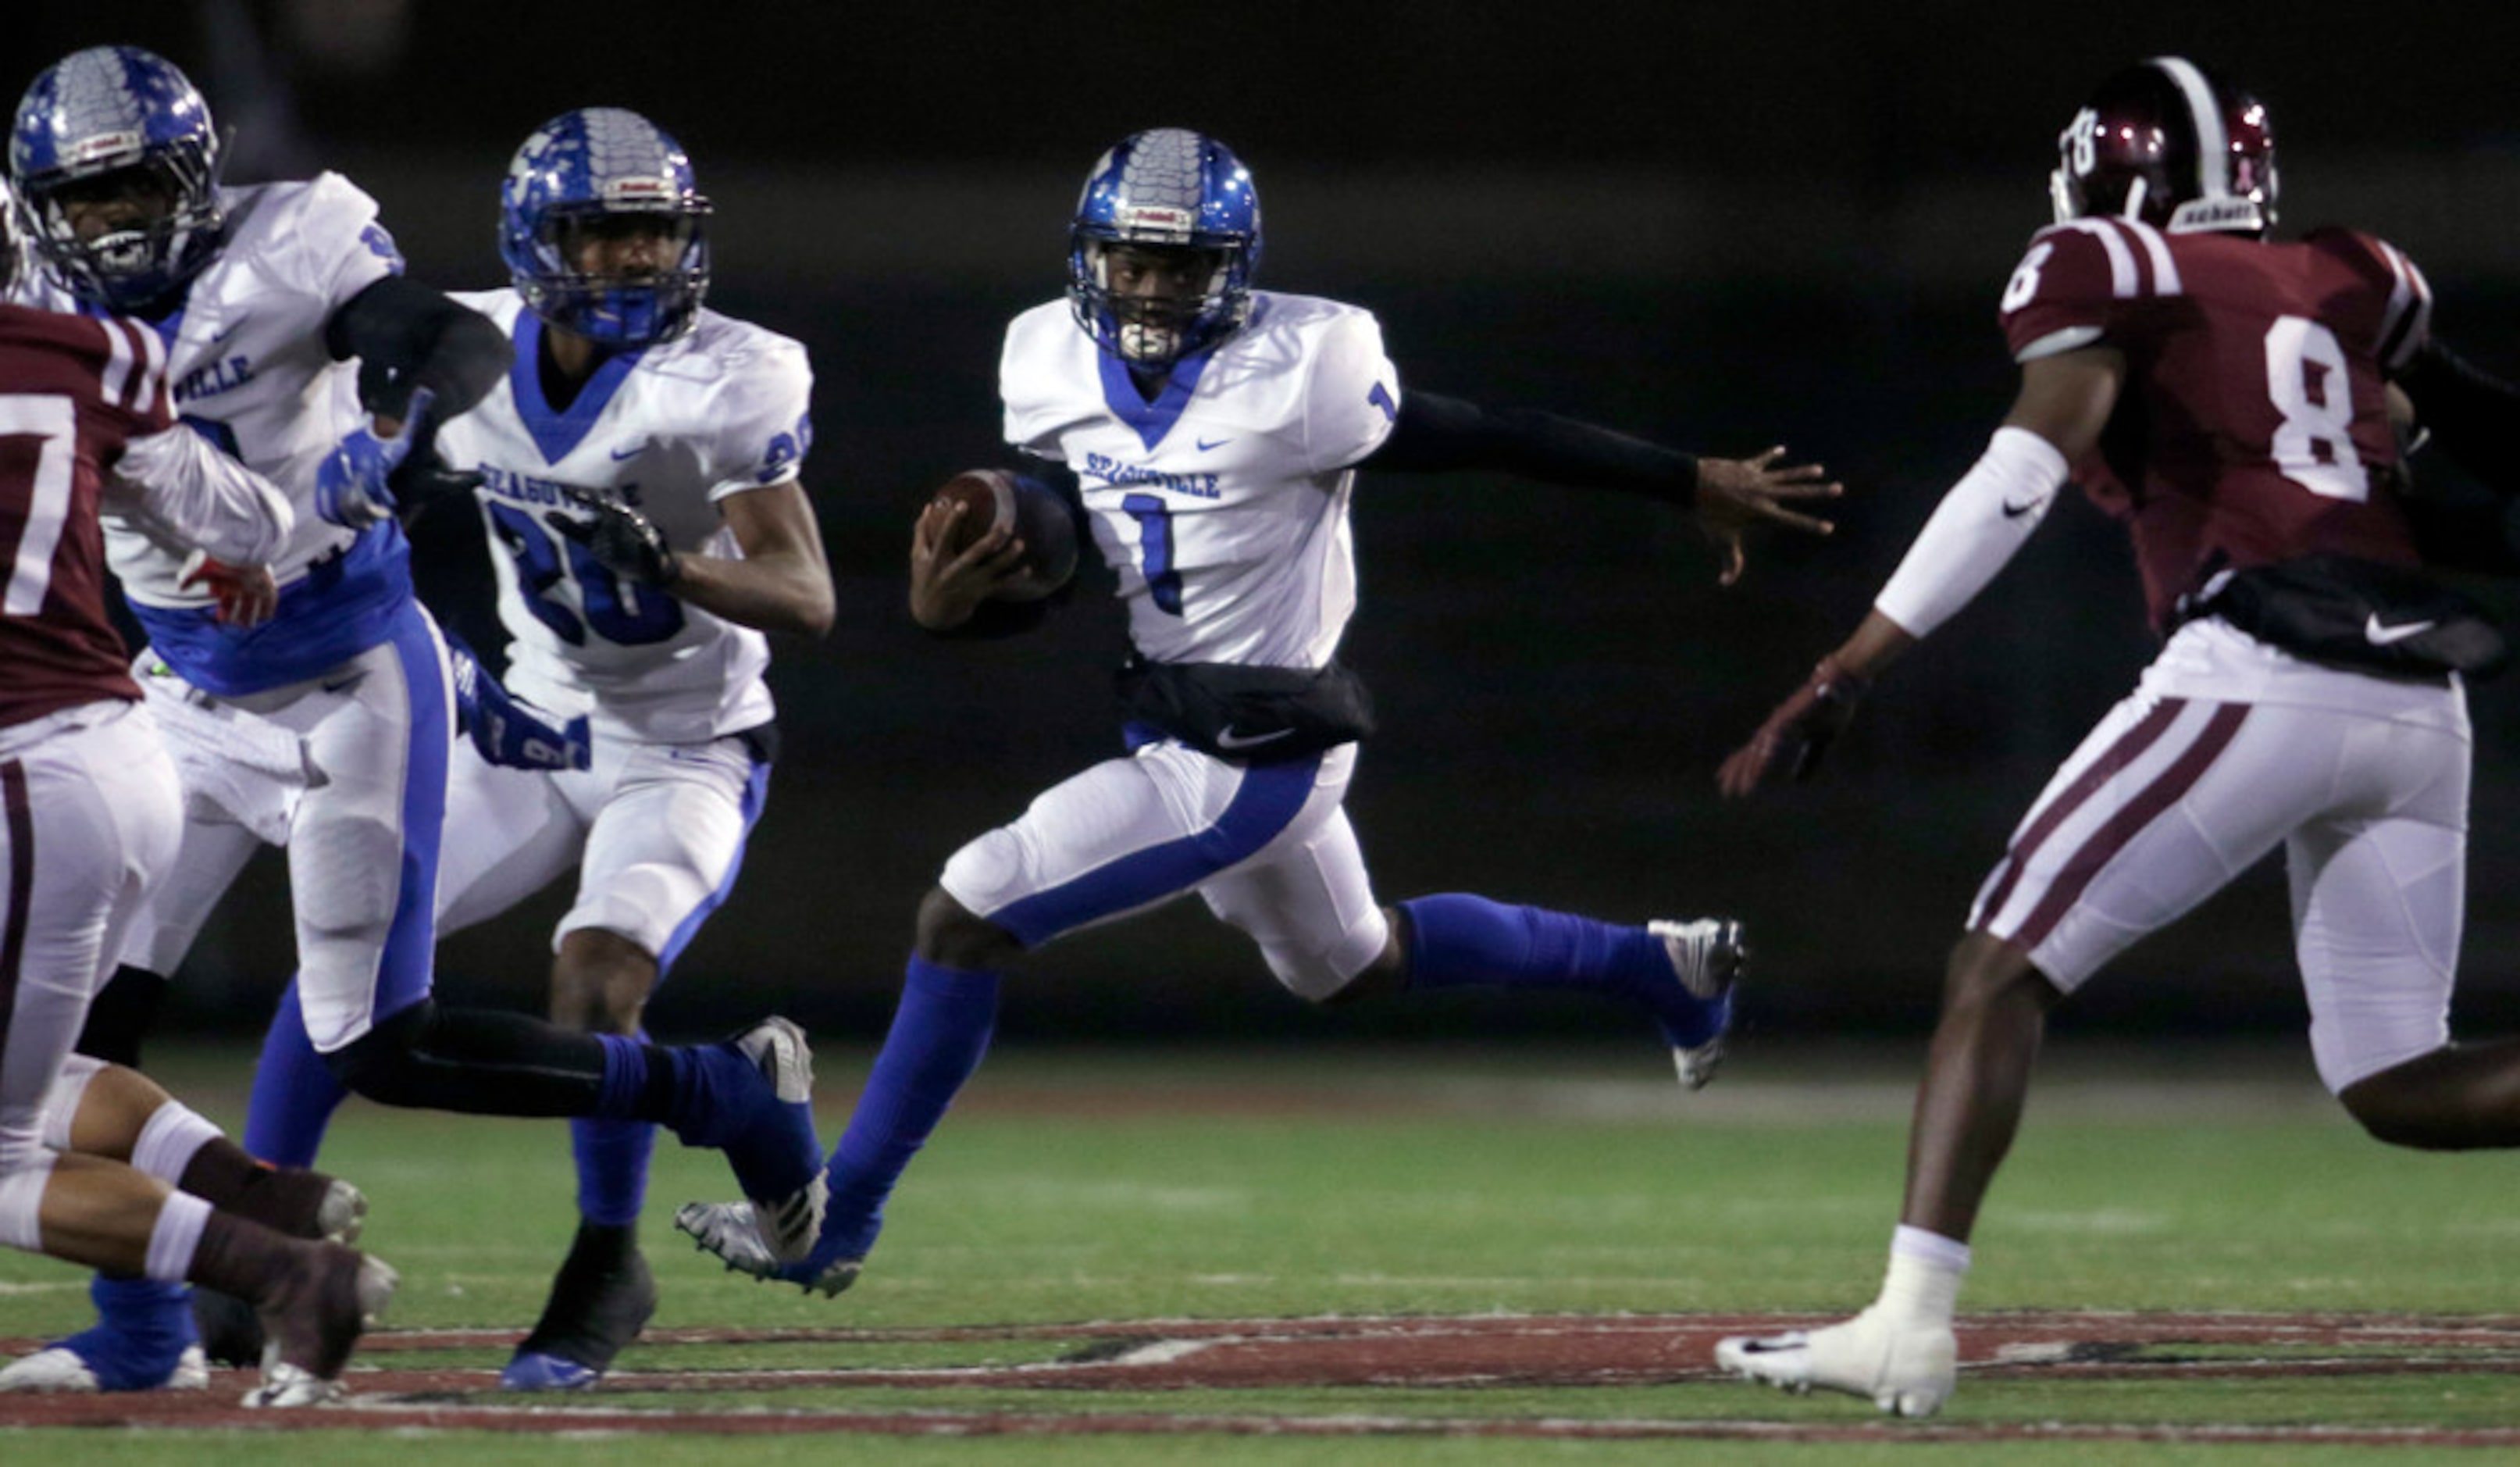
[(51, 421), (2307, 384)]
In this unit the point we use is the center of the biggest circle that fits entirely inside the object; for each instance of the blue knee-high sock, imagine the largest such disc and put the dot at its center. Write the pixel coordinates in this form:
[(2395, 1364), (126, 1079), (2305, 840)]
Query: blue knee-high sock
[(1459, 940), (613, 1165), (938, 1035), (294, 1094), (142, 1329)]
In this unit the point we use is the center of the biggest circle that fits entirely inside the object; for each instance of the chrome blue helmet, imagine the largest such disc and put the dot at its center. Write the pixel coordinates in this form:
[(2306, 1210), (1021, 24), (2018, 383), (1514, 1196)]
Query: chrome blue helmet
[(1166, 190), (587, 175), (118, 110)]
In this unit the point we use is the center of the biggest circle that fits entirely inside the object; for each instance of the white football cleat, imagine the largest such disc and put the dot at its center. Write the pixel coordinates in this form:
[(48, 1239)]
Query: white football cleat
[(1709, 957), (57, 1370), (1905, 1368), (730, 1230), (342, 1214)]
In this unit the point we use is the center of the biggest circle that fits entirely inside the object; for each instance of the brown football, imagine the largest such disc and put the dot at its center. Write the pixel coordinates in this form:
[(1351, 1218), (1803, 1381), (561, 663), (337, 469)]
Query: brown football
[(991, 497)]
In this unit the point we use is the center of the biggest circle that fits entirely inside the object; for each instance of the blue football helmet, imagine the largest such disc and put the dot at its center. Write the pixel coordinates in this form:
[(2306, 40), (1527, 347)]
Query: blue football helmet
[(593, 174), (108, 110), (1166, 190)]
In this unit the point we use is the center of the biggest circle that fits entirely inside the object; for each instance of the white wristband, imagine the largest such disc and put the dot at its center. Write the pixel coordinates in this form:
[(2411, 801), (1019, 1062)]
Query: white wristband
[(1975, 530)]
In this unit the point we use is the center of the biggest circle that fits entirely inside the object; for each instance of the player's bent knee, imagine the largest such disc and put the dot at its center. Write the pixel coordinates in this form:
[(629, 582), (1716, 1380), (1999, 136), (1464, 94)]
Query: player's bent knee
[(383, 1064), (952, 935)]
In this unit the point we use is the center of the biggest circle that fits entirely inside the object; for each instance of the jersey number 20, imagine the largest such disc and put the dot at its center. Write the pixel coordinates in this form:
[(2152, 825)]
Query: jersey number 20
[(617, 611)]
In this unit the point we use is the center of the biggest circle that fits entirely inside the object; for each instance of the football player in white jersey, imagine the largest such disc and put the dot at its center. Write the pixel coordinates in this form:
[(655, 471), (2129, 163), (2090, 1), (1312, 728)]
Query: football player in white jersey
[(639, 489), (97, 1164), (1214, 432), (327, 727)]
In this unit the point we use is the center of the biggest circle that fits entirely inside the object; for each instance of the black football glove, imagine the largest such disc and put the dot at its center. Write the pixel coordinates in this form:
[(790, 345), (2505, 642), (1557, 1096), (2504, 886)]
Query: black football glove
[(621, 539), (1798, 732)]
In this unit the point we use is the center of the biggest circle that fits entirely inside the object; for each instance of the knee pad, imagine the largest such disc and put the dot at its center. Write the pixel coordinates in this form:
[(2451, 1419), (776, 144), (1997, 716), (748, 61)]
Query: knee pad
[(347, 875)]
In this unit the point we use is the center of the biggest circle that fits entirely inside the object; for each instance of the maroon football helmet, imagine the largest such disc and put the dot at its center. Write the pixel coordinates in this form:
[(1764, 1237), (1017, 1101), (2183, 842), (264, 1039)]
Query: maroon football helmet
[(2167, 143)]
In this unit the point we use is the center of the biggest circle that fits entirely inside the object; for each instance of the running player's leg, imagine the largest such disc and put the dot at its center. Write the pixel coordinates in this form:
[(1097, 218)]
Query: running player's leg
[(2163, 804), (363, 872), (1121, 836), (664, 852)]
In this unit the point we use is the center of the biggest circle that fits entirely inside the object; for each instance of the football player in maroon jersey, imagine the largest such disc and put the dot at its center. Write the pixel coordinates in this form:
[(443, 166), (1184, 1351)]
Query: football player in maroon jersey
[(99, 1165), (2226, 396)]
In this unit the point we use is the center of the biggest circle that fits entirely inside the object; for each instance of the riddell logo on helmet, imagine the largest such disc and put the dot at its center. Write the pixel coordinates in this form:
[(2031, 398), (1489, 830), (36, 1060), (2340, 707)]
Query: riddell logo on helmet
[(2217, 213), (104, 145), (638, 190), (1158, 220)]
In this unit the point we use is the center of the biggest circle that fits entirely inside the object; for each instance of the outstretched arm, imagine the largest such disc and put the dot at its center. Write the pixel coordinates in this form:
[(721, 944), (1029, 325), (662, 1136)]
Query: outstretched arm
[(2064, 402), (1432, 433)]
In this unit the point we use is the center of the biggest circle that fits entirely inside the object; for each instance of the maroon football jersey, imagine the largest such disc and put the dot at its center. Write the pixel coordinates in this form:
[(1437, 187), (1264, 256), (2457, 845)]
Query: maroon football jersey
[(2253, 425), (72, 392)]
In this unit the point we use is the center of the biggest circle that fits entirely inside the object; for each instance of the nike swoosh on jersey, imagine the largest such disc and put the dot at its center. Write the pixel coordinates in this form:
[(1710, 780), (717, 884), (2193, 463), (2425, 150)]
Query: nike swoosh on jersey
[(632, 451), (1229, 739), (2012, 511), (1204, 445), (2385, 636)]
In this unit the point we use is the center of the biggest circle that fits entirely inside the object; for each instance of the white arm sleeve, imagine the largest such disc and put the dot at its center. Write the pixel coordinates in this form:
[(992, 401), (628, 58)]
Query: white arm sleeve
[(1975, 530), (176, 483)]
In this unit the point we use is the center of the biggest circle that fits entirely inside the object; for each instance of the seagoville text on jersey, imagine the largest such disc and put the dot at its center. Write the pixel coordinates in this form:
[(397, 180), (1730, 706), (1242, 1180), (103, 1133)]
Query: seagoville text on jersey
[(1111, 471), (527, 489)]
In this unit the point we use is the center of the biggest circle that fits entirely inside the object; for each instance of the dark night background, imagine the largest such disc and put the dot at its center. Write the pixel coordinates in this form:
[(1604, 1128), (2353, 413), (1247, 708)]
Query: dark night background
[(1720, 225)]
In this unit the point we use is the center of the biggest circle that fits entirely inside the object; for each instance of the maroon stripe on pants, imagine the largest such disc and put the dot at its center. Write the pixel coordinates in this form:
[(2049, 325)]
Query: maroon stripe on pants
[(22, 888), (2168, 789), (2128, 748)]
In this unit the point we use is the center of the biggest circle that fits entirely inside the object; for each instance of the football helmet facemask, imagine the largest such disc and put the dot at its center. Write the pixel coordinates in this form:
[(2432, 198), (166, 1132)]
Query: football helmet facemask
[(594, 177), (2168, 143), (1162, 248), (121, 126)]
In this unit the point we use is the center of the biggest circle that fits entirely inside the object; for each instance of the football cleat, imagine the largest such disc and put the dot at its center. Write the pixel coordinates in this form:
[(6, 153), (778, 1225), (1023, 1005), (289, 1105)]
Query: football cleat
[(60, 1368), (1905, 1368), (602, 1298), (313, 1318), (1709, 957), (342, 1214), (727, 1229), (772, 1147), (143, 1340)]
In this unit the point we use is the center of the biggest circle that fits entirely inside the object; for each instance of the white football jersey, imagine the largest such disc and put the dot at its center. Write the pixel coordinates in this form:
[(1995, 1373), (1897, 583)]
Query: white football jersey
[(249, 365), (1224, 504), (669, 431)]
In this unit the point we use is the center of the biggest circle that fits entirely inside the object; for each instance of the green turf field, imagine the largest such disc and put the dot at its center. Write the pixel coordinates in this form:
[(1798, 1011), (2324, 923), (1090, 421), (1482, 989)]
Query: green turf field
[(1381, 1222)]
